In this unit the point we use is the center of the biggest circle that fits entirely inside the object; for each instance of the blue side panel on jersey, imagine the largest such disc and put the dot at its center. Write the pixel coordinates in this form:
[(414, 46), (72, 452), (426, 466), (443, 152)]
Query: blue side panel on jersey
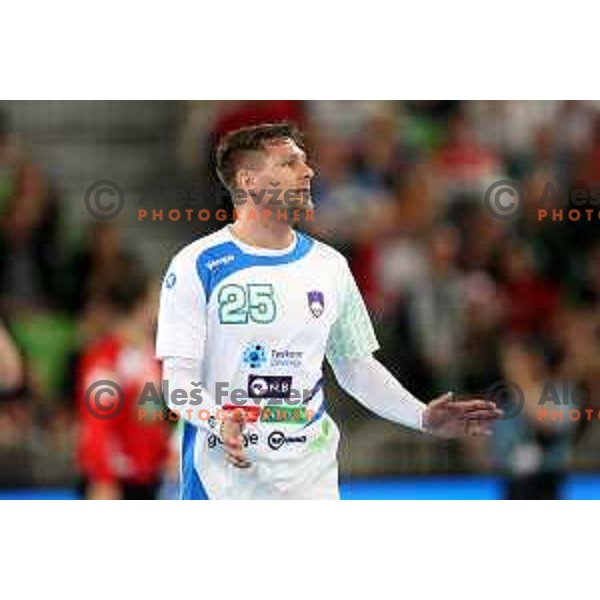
[(221, 261), (320, 412), (314, 391), (191, 486), (318, 387)]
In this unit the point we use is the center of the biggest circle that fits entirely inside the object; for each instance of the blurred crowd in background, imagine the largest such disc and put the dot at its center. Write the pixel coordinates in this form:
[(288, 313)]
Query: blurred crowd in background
[(460, 298)]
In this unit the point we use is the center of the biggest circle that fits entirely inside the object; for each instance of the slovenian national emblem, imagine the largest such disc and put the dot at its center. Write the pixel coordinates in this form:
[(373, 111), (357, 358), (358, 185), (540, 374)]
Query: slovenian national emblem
[(316, 303)]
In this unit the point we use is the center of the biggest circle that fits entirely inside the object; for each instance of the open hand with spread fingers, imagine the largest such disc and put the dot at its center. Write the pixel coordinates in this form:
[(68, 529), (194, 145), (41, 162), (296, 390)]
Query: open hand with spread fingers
[(449, 418)]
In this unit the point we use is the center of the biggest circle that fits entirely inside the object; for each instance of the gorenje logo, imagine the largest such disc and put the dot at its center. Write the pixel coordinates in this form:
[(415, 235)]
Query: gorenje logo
[(213, 264), (214, 440)]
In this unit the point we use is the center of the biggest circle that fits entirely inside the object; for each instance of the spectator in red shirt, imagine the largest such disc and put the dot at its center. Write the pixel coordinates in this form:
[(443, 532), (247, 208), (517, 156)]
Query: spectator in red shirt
[(530, 301), (122, 449), (253, 112)]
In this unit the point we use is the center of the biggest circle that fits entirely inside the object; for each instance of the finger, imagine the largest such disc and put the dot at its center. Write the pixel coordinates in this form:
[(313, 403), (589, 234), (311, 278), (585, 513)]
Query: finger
[(475, 407), (446, 399), (232, 426), (442, 401), (481, 415), (239, 464), (239, 416), (237, 455), (466, 405), (233, 441), (479, 402), (480, 430), (237, 452), (470, 397), (235, 460)]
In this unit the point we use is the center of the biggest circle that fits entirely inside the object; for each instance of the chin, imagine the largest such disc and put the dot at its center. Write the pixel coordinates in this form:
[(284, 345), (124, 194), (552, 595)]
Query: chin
[(307, 201)]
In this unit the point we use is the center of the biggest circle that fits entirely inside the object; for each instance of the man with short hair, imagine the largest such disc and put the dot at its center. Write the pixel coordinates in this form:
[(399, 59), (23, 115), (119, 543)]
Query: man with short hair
[(247, 316)]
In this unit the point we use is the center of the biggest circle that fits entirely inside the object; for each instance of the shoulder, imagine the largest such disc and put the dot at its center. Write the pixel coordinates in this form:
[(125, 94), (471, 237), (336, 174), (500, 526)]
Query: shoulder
[(189, 255), (326, 252), (184, 269)]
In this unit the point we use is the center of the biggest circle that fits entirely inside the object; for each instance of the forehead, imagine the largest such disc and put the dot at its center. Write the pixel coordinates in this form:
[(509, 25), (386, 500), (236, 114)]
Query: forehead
[(283, 148)]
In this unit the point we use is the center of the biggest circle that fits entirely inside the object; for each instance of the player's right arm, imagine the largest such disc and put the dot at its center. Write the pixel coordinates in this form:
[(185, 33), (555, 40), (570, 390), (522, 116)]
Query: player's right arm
[(183, 374), (181, 344), (181, 338)]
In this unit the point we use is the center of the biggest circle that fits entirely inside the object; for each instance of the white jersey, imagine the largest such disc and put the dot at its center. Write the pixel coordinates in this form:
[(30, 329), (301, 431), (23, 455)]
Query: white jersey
[(260, 323)]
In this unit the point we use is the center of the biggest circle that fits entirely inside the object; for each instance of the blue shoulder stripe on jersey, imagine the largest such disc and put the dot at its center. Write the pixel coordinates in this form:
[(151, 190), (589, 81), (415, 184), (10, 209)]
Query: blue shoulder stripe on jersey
[(191, 486), (221, 261)]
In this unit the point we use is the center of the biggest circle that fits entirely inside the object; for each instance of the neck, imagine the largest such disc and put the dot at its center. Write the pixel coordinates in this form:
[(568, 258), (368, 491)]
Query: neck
[(274, 235)]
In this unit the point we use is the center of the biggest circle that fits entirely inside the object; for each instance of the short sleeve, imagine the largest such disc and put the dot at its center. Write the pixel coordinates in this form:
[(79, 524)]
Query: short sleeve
[(352, 334), (182, 314)]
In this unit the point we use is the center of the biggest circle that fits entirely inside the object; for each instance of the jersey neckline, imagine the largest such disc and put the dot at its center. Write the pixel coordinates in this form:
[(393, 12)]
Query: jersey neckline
[(248, 249)]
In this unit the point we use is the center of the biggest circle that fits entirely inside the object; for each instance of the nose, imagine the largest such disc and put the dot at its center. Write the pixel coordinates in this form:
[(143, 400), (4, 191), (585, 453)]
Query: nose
[(308, 172)]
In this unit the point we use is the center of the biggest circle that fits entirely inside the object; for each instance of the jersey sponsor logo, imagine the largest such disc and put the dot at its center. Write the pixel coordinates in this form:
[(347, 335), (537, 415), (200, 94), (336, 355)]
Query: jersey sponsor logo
[(170, 280), (316, 303), (285, 414), (269, 386), (277, 439), (257, 354), (211, 265), (249, 439), (286, 358)]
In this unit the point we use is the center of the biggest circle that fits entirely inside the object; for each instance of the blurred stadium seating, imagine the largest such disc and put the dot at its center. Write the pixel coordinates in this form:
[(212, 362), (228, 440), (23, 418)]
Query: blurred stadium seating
[(400, 190)]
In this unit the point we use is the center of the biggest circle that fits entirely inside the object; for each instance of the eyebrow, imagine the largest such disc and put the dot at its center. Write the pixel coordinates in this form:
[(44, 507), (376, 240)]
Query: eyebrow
[(295, 154)]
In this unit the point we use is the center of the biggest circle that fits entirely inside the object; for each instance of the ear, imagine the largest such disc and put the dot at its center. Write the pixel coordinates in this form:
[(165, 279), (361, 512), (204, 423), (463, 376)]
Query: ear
[(245, 178)]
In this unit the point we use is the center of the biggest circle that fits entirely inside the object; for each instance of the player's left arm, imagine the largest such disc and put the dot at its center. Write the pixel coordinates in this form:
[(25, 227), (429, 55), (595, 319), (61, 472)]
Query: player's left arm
[(350, 348), (367, 380)]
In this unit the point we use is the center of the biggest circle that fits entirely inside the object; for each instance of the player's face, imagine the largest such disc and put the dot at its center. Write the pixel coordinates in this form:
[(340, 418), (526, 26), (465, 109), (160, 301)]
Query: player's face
[(285, 169)]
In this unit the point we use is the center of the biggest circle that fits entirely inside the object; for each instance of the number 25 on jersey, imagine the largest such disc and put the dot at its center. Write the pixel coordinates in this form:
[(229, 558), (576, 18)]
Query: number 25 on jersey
[(254, 302)]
